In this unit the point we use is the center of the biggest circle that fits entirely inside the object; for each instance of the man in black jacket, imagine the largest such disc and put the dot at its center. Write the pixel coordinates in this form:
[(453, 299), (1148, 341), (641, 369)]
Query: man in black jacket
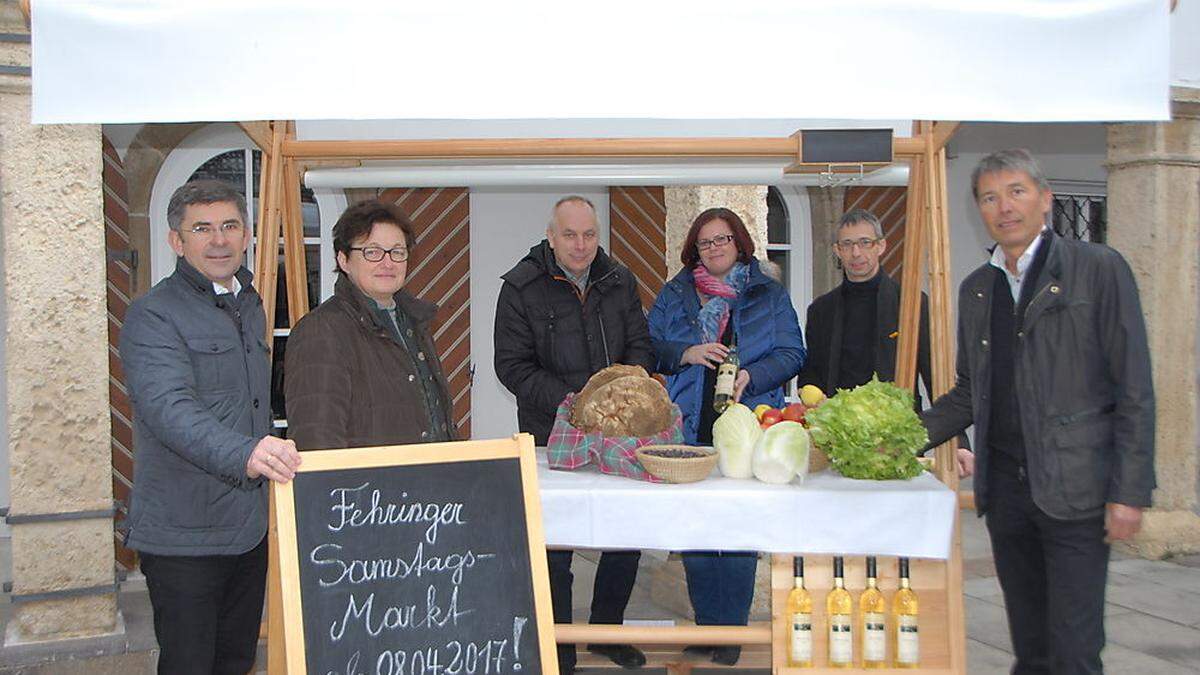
[(1054, 371), (566, 311), (853, 329)]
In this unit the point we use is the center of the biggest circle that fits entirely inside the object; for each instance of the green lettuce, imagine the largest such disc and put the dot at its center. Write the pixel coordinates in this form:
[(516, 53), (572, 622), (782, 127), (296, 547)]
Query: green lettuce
[(870, 432)]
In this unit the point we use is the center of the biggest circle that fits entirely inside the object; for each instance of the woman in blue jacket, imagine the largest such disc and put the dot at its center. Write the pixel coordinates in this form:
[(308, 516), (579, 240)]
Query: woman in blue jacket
[(722, 297)]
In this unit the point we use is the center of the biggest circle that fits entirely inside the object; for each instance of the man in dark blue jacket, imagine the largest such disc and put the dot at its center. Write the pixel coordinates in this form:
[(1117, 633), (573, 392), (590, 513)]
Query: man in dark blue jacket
[(1054, 371), (566, 311), (199, 377)]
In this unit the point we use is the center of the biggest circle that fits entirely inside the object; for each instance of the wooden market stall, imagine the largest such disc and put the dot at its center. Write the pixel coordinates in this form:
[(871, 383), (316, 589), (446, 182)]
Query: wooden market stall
[(939, 582)]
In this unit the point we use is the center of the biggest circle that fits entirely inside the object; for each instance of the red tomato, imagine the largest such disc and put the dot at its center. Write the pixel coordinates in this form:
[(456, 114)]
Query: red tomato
[(772, 416), (795, 412)]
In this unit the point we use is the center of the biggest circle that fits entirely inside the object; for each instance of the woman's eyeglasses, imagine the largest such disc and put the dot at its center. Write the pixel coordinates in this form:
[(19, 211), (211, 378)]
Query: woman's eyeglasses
[(376, 253), (719, 240)]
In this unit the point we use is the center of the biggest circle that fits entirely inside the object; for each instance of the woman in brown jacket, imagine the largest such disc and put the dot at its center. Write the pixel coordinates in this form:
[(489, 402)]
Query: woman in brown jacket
[(361, 369)]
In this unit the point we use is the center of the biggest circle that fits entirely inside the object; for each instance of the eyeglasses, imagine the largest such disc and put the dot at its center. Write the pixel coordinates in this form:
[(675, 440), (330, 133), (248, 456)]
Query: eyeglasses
[(719, 240), (228, 228), (376, 253), (847, 245)]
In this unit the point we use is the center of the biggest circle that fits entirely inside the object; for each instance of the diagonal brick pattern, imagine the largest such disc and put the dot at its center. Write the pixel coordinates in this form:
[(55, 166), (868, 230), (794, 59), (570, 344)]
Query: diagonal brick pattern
[(440, 272), (121, 282), (638, 236)]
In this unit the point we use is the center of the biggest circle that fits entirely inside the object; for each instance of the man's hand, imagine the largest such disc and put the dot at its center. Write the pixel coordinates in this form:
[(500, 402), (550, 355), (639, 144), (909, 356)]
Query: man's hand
[(1121, 522), (274, 459), (709, 354), (739, 385), (966, 462)]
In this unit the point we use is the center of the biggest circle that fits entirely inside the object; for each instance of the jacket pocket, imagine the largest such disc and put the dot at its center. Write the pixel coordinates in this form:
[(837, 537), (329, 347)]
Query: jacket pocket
[(216, 362), (1084, 445)]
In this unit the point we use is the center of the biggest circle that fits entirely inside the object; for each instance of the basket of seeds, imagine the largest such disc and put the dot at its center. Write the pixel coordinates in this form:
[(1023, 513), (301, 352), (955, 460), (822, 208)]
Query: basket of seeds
[(678, 463)]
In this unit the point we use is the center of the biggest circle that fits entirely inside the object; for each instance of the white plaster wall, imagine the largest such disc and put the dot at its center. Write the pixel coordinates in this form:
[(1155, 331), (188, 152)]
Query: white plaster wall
[(504, 224)]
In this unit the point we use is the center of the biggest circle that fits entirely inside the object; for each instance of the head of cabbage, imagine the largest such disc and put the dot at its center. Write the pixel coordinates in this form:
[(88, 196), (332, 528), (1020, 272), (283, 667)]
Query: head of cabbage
[(782, 453), (870, 432), (735, 433)]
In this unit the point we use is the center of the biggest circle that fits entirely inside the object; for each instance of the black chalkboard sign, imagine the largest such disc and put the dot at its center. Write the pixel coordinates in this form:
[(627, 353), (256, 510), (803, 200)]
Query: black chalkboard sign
[(415, 560)]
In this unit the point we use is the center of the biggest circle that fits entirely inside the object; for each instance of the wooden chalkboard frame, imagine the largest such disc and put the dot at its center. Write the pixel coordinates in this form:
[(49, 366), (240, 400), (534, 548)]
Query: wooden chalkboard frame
[(288, 632)]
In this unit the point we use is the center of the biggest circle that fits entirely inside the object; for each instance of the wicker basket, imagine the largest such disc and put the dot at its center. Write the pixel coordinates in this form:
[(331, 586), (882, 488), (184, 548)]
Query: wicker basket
[(678, 469)]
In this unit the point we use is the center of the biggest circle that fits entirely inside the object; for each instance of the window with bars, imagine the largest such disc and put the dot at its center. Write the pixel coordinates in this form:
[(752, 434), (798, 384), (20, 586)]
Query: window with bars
[(1080, 216), (230, 167)]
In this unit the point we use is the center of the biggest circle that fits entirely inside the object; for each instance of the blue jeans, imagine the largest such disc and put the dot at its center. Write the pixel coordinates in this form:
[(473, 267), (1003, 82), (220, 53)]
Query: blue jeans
[(720, 585)]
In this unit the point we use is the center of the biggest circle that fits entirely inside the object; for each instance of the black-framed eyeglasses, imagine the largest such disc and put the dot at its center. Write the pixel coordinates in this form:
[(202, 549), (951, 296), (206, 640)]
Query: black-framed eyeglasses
[(376, 253), (719, 240), (847, 245)]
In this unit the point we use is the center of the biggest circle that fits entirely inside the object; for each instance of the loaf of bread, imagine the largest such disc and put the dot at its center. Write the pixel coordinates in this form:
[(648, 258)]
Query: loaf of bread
[(622, 401)]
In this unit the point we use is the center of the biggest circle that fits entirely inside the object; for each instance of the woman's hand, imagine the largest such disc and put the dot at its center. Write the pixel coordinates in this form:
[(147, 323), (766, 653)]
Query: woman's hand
[(739, 385), (709, 354)]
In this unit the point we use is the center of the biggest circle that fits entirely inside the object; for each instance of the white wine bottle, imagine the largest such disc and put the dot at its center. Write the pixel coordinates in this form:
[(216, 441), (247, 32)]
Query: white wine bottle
[(839, 608), (904, 618), (799, 608), (872, 610), (726, 376)]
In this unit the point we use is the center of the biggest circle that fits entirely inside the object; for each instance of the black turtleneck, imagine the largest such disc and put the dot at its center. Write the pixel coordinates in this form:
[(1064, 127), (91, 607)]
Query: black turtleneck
[(857, 361)]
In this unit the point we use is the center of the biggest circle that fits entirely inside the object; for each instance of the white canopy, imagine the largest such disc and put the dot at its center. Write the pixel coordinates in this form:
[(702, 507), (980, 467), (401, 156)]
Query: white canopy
[(1017, 60)]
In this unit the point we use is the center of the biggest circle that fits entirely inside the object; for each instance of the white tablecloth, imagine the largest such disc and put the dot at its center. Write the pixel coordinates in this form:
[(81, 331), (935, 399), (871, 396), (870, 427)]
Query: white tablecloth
[(826, 514)]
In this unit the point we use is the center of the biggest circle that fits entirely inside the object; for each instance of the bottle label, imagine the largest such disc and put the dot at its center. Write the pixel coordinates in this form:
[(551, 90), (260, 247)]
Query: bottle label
[(801, 637), (841, 640), (726, 374), (874, 637), (907, 640)]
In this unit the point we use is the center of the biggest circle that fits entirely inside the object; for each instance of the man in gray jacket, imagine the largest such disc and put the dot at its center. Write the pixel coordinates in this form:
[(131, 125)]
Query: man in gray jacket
[(1054, 371), (198, 375)]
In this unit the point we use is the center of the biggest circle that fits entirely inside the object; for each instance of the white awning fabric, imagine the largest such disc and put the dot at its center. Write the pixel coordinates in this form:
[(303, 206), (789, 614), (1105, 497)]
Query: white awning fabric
[(117, 61)]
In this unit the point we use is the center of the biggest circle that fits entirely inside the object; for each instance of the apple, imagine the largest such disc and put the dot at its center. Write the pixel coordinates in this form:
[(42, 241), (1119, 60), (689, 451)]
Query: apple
[(795, 412), (760, 409), (772, 416)]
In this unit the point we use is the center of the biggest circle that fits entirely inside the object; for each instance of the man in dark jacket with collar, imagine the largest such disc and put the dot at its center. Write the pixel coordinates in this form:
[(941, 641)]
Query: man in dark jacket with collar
[(853, 330), (1054, 371), (566, 311), (199, 378)]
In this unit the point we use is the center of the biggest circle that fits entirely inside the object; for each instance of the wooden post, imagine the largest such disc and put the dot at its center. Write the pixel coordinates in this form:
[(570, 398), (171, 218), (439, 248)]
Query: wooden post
[(910, 279), (266, 268), (294, 260)]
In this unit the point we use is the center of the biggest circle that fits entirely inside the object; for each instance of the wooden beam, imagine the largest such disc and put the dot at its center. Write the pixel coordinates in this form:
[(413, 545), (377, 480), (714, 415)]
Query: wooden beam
[(294, 261), (942, 133), (910, 279), (521, 148), (941, 333), (266, 268), (259, 132)]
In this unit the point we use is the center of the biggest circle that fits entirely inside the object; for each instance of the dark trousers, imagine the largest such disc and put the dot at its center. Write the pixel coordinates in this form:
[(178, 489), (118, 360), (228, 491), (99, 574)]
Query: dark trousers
[(207, 610), (615, 576), (720, 585), (1053, 574)]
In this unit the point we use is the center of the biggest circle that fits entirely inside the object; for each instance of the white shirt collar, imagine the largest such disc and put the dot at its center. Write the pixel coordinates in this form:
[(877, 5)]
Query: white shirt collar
[(1023, 262), (221, 290)]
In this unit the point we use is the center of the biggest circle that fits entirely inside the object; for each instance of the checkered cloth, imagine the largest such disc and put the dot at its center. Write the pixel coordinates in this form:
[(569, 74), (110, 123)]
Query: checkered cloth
[(570, 448)]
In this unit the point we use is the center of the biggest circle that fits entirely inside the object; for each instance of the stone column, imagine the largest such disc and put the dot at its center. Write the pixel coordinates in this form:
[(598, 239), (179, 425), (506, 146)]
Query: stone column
[(685, 202), (55, 367), (828, 205), (1153, 216)]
